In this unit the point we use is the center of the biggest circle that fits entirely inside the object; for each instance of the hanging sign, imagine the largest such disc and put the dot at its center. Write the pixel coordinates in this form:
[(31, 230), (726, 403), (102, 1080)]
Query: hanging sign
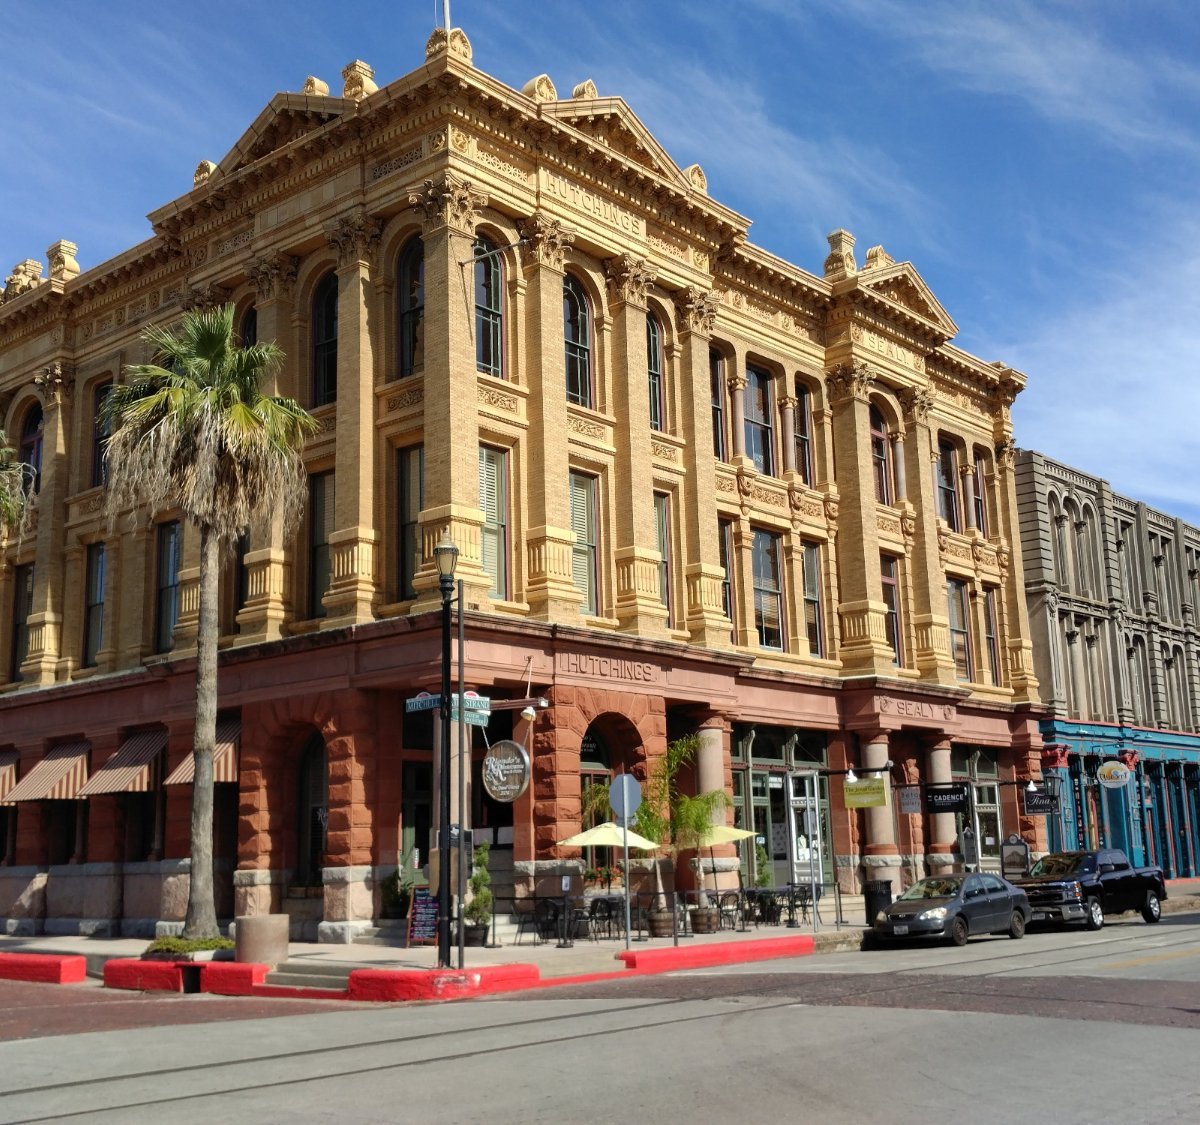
[(1039, 802), (910, 799), (947, 798), (865, 793), (505, 770), (1113, 775)]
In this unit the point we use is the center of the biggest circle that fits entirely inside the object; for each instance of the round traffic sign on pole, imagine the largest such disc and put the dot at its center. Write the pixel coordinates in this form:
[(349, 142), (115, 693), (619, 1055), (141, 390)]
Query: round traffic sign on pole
[(624, 794)]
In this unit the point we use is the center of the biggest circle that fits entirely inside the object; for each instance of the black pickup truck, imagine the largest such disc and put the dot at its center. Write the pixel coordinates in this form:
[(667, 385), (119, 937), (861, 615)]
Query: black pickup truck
[(1085, 886)]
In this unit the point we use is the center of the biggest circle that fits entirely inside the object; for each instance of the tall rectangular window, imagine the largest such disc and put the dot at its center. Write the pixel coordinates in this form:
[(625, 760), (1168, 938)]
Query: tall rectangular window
[(889, 570), (100, 433), (725, 547), (759, 439), (768, 590), (583, 554), (489, 309), (662, 531), (410, 499), (947, 485), (960, 629), (716, 384), (991, 633), (166, 586), (804, 433), (493, 502), (980, 481), (814, 626), (654, 374), (93, 604), (320, 527), (22, 608), (881, 456)]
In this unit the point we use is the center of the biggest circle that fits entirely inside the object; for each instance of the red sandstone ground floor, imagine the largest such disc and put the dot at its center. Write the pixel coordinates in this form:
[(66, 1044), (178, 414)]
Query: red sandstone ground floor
[(325, 785)]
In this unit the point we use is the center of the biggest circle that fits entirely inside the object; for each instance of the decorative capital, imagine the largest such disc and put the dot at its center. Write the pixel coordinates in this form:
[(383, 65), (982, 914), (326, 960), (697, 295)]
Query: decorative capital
[(354, 236), (696, 310), (850, 381), (61, 257), (448, 202), (916, 404), (56, 382), (544, 240), (455, 43), (273, 275), (357, 81), (203, 297), (628, 278), (840, 262)]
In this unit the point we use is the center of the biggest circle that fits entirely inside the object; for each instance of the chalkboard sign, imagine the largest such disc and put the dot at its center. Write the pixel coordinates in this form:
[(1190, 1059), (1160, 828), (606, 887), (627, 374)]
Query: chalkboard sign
[(423, 918)]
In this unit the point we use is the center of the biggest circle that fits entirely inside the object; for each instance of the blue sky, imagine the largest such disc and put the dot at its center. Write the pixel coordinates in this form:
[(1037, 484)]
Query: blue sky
[(1039, 163)]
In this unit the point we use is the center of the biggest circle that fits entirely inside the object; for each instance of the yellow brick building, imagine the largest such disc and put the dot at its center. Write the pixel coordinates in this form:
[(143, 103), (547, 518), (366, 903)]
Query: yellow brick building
[(693, 486)]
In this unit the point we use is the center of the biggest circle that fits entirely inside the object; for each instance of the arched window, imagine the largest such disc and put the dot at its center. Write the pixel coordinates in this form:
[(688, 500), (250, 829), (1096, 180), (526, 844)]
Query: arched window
[(980, 481), (947, 484), (578, 342), (804, 463), (324, 340), (654, 371), (489, 310), (30, 452), (881, 457), (312, 821), (411, 284), (248, 329), (100, 434)]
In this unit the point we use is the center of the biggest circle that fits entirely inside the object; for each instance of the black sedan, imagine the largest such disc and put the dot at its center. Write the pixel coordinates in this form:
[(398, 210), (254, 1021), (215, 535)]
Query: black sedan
[(956, 906)]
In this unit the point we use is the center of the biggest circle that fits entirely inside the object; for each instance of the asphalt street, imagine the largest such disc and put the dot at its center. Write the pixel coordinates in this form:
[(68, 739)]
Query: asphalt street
[(1068, 1027)]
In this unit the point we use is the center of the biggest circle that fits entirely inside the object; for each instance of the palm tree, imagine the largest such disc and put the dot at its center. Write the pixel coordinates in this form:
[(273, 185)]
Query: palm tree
[(194, 431)]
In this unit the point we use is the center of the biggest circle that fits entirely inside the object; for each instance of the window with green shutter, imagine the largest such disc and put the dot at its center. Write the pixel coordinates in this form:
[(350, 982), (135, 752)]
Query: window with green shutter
[(493, 501), (583, 523)]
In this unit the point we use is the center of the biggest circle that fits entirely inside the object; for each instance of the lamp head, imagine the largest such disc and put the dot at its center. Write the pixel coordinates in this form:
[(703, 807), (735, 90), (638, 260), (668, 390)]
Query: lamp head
[(851, 776), (1031, 787), (445, 556), (528, 714)]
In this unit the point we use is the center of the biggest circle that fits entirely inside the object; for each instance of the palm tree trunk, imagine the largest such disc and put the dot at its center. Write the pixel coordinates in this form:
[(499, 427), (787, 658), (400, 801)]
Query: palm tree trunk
[(201, 921)]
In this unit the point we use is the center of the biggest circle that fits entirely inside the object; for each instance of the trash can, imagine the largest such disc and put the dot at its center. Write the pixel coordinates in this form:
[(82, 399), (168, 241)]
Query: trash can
[(877, 894)]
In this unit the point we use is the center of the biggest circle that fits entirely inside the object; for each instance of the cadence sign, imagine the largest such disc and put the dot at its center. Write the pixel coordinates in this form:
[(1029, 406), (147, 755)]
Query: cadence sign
[(505, 770)]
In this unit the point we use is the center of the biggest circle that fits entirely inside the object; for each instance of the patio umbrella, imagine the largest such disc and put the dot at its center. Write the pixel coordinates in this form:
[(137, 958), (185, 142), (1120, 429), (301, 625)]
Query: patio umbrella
[(720, 834), (608, 835)]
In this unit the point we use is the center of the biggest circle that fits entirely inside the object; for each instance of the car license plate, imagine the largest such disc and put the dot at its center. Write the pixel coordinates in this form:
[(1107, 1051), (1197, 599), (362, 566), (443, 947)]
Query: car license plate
[(899, 929)]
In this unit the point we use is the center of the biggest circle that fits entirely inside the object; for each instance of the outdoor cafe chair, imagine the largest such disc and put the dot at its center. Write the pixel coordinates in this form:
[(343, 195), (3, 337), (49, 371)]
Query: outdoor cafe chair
[(730, 906)]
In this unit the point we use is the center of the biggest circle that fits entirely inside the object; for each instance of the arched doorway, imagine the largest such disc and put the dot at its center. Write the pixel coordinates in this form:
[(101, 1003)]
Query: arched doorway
[(312, 819)]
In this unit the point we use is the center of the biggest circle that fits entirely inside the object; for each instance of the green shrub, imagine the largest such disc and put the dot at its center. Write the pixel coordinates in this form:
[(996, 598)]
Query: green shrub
[(479, 909), (188, 945)]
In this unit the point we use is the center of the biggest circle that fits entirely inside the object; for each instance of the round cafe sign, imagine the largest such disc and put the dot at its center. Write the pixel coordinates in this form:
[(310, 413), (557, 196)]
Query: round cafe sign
[(1113, 775), (505, 770)]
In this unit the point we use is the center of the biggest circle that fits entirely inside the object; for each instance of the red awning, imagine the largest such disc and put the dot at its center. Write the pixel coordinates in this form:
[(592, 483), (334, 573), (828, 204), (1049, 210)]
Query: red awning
[(57, 777), (225, 766), (9, 760), (128, 770)]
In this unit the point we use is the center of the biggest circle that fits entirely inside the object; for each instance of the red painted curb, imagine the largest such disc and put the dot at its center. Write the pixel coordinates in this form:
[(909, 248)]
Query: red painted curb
[(232, 978), (143, 976), (391, 985), (43, 968), (719, 953)]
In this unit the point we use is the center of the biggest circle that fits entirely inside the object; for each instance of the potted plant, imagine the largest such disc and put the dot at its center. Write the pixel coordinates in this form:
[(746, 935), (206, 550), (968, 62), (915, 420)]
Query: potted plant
[(478, 911), (396, 890)]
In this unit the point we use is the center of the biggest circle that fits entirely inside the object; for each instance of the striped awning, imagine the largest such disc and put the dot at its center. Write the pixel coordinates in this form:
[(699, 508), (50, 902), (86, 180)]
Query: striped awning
[(9, 760), (57, 777), (225, 765), (128, 770)]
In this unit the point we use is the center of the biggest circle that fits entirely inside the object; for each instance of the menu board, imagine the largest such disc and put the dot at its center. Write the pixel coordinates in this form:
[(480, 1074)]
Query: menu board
[(423, 918)]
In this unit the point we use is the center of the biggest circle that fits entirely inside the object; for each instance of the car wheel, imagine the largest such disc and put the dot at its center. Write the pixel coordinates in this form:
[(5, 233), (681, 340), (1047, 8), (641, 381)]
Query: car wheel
[(1152, 911), (959, 931), (1095, 914), (1016, 925)]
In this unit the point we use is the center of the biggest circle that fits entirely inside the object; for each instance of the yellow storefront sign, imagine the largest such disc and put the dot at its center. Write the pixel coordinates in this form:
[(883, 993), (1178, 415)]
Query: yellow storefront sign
[(865, 793)]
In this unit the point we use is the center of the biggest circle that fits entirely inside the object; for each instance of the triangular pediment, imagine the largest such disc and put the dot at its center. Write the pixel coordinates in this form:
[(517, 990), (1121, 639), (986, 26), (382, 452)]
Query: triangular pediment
[(285, 118), (611, 123), (900, 283)]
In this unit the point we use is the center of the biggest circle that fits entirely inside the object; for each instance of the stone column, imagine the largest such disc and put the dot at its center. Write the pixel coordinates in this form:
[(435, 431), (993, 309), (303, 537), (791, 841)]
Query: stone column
[(1017, 642), (896, 437), (967, 473), (133, 609), (638, 606), (881, 857), (940, 840), (737, 409), (267, 563), (862, 610), (549, 589), (352, 592), (710, 775), (450, 209), (787, 417), (931, 624)]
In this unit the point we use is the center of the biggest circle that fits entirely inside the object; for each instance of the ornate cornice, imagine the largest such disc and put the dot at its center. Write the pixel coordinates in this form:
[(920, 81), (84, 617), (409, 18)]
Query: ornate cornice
[(448, 202), (544, 240)]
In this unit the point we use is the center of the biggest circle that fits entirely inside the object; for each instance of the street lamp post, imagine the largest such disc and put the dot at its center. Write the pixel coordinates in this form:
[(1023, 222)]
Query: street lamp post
[(445, 555)]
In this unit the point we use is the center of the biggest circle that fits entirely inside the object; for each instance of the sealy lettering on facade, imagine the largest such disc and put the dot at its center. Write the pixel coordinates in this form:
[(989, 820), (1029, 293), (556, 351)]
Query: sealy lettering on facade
[(608, 668), (591, 204), (914, 708)]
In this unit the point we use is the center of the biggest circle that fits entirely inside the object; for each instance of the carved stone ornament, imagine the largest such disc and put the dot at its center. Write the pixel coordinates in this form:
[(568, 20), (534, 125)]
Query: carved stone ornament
[(840, 262), (315, 88), (540, 89), (273, 275), (916, 404), (25, 276), (628, 278), (878, 258), (696, 177), (831, 509), (455, 43), (448, 201), (61, 257), (544, 240), (943, 537), (203, 297), (357, 81), (56, 382), (1002, 556), (849, 381), (203, 170), (354, 236), (696, 310), (585, 91), (1006, 453), (908, 524)]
